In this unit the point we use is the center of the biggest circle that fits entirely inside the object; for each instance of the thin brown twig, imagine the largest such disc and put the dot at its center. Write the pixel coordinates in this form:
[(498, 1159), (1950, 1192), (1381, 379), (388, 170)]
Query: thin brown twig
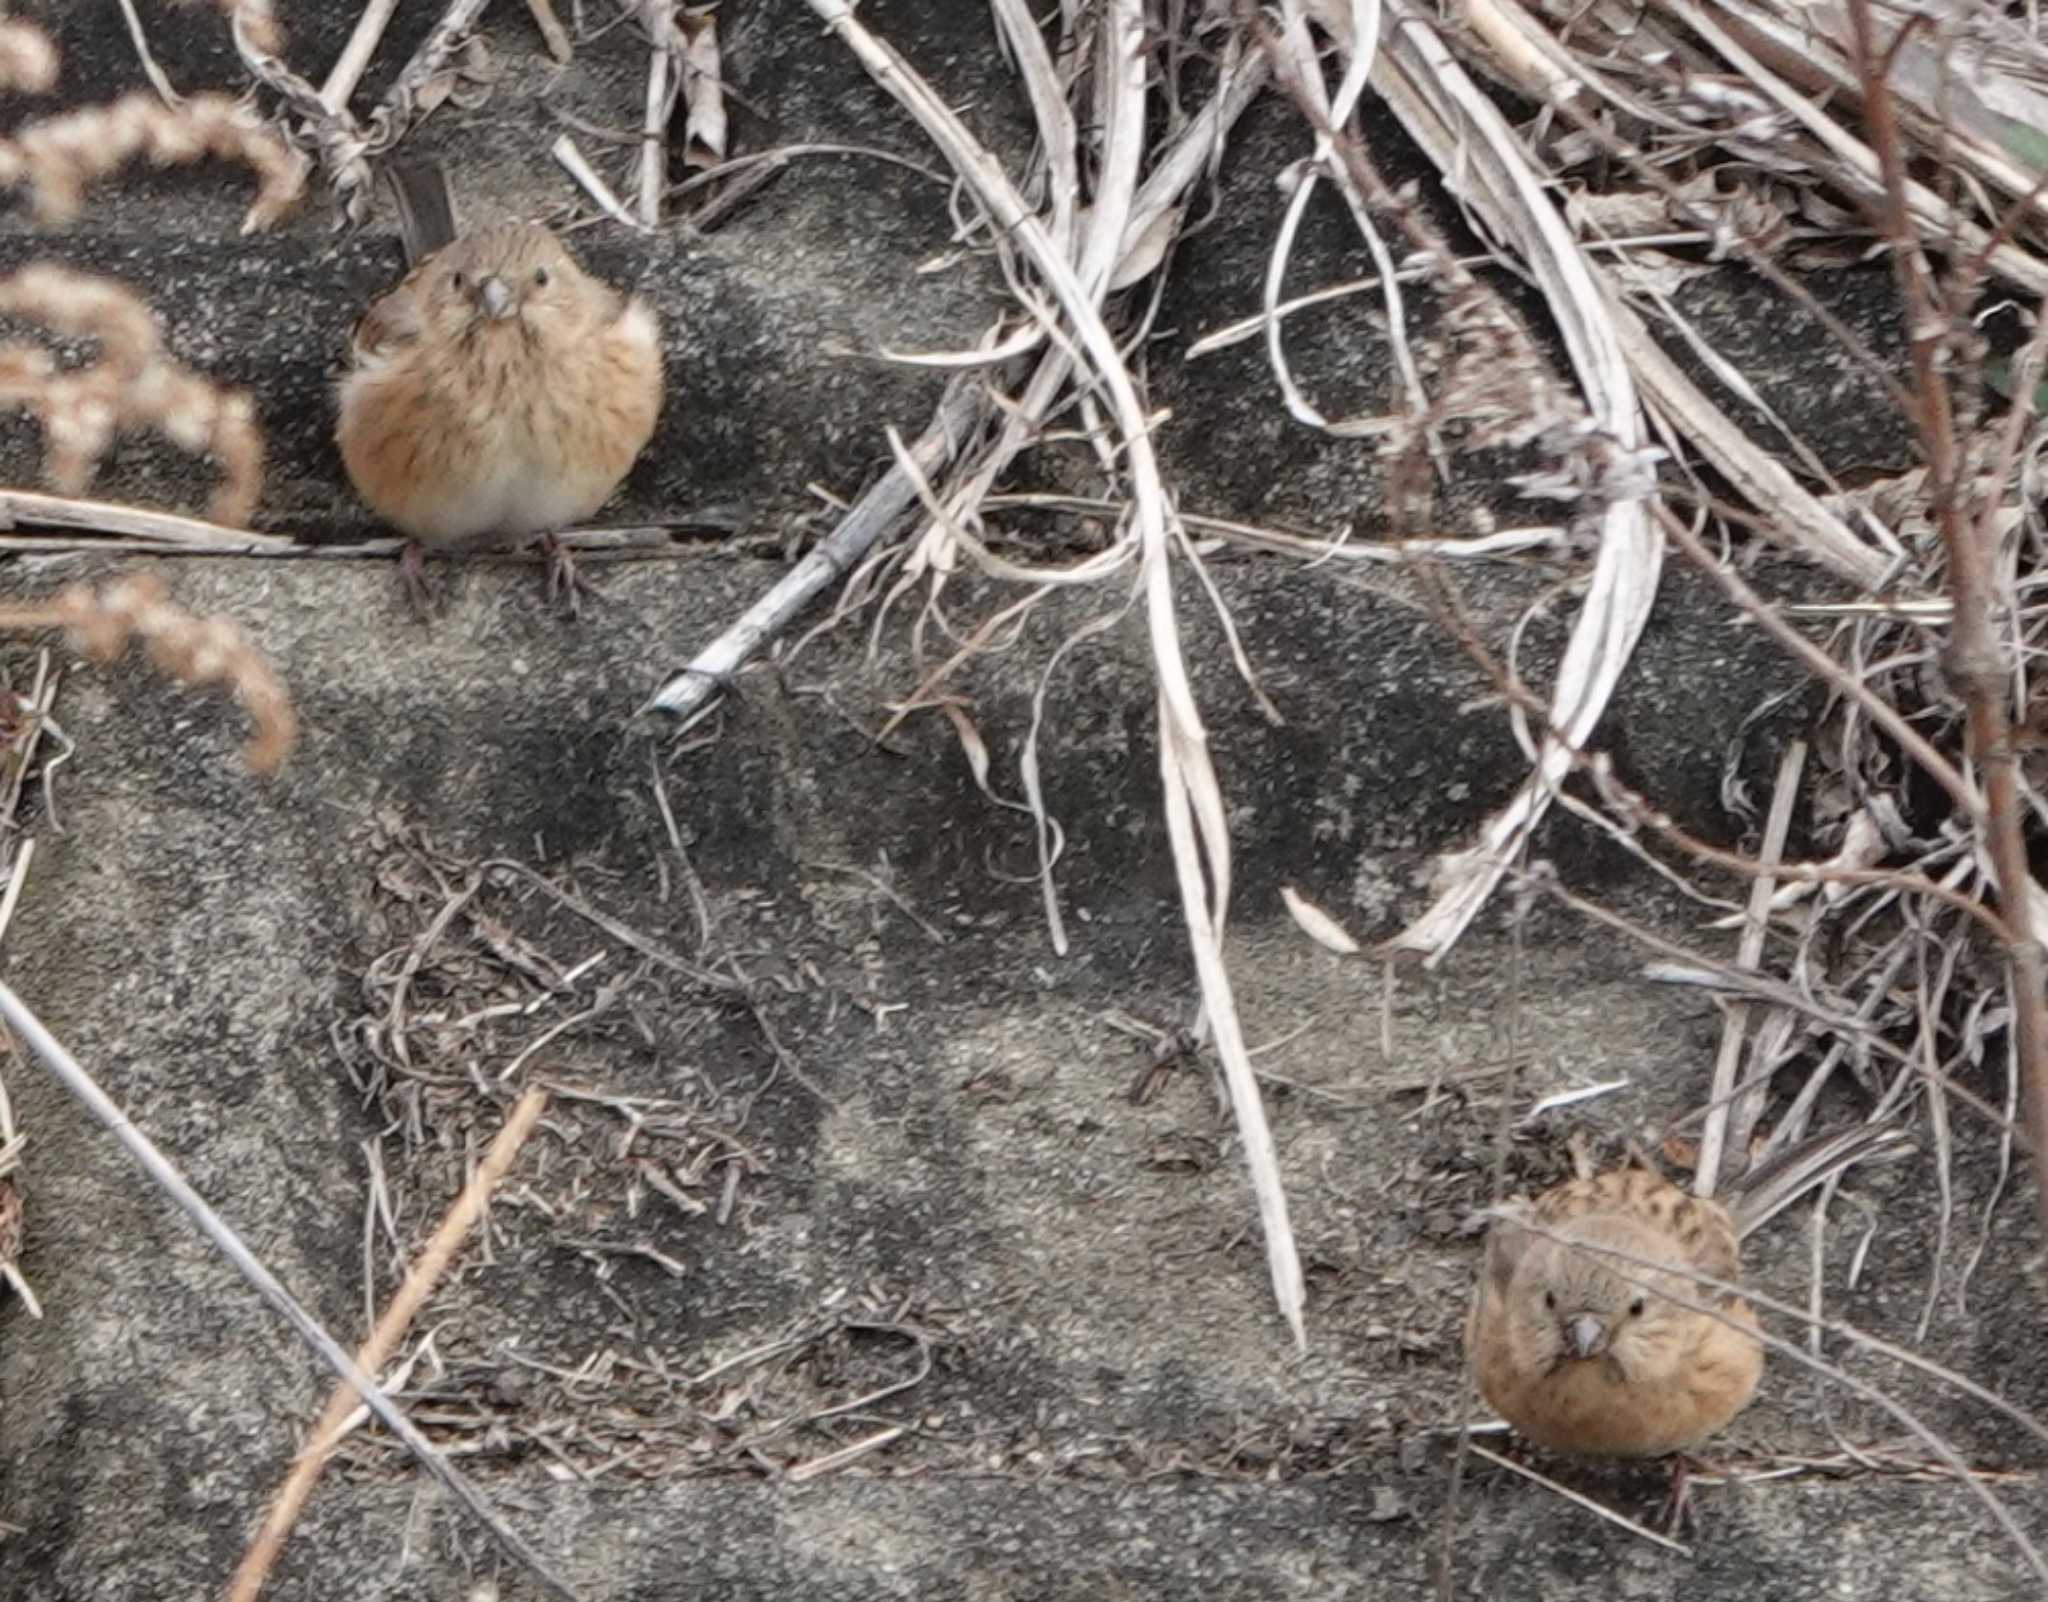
[(1932, 762), (398, 1316), (1975, 661), (82, 1086)]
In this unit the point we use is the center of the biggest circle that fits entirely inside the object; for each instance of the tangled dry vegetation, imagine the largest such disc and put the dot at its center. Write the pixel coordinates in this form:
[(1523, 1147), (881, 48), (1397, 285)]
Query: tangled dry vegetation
[(134, 383), (1601, 152), (1678, 135), (1711, 147)]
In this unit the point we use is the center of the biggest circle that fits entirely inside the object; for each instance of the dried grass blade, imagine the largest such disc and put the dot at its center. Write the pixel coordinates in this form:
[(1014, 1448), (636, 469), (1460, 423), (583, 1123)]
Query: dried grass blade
[(1498, 181), (1196, 818), (1730, 1108), (1058, 137)]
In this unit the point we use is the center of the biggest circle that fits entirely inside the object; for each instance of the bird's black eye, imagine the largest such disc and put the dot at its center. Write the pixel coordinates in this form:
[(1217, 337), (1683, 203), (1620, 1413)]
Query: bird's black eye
[(1550, 1300), (1635, 1308), (540, 277), (455, 279)]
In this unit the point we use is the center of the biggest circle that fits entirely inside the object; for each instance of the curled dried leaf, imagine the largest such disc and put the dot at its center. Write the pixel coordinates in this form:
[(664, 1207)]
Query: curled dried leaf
[(1317, 924)]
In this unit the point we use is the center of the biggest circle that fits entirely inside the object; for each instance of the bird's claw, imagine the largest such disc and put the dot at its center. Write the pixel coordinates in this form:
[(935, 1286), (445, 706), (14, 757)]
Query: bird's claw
[(566, 582), (412, 568)]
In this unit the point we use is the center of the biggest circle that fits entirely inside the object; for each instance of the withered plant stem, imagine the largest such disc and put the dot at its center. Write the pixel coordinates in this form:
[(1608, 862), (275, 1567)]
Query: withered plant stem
[(1975, 661)]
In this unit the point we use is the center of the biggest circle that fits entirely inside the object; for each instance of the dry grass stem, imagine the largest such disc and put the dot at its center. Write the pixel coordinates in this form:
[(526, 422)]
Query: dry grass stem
[(138, 36), (664, 88), (86, 1090), (193, 650), (570, 156), (28, 61), (59, 157), (553, 34), (690, 694), (1728, 1127), (1077, 281), (1505, 388), (135, 384), (383, 1340), (163, 532), (348, 69)]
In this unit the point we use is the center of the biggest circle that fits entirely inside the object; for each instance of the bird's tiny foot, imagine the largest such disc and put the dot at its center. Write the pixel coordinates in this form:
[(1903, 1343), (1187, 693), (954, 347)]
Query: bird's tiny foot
[(1676, 1515), (565, 580), (412, 567)]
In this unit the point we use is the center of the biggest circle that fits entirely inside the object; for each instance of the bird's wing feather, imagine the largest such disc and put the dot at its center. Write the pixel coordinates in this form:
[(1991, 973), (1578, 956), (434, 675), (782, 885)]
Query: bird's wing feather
[(393, 321)]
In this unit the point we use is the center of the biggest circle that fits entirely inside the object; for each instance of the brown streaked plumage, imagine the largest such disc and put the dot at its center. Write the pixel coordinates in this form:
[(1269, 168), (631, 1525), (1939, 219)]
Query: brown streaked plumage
[(1591, 1354), (498, 393)]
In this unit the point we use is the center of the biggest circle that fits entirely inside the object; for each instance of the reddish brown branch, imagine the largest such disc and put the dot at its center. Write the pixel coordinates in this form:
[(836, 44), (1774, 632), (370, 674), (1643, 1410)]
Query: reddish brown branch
[(397, 1318), (1975, 660)]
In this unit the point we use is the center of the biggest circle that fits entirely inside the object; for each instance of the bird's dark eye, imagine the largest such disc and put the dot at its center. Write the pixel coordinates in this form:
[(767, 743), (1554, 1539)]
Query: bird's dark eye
[(1550, 1300), (1635, 1308), (540, 277), (455, 279)]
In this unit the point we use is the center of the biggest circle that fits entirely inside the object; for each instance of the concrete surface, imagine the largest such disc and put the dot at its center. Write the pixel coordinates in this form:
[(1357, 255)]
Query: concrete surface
[(854, 1151)]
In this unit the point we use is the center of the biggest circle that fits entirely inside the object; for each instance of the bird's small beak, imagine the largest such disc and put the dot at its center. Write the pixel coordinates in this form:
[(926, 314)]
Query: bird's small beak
[(1585, 1335), (494, 295)]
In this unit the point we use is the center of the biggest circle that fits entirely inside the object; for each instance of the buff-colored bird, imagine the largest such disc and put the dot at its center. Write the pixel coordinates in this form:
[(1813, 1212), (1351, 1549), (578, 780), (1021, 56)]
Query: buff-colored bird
[(1619, 1351), (499, 392)]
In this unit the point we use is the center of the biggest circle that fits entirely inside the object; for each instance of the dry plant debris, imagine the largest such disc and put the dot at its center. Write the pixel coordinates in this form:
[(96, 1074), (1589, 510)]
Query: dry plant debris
[(136, 383), (391, 1326), (481, 979), (193, 650), (1470, 377), (59, 157), (1749, 130)]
